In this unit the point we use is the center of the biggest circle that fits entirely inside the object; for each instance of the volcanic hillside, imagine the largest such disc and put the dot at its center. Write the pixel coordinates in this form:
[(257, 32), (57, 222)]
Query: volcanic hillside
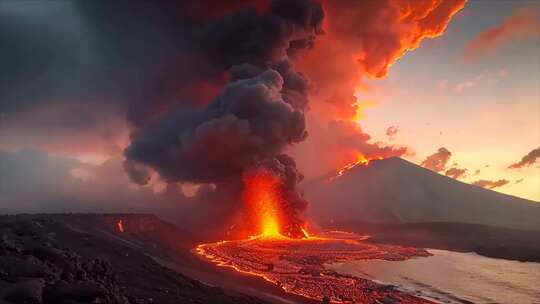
[(395, 191)]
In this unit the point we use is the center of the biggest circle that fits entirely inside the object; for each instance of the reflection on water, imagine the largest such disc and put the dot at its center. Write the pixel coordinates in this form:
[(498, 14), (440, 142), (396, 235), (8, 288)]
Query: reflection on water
[(453, 277)]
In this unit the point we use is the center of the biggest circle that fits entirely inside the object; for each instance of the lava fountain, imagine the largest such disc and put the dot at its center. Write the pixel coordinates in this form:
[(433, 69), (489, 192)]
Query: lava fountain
[(266, 207)]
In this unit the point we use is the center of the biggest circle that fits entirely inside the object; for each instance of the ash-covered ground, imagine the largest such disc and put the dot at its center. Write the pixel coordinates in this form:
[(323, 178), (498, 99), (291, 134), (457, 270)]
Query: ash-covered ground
[(55, 259)]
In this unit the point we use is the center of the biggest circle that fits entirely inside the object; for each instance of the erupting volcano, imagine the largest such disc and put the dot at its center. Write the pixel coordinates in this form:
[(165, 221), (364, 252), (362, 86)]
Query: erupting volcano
[(281, 251), (255, 151)]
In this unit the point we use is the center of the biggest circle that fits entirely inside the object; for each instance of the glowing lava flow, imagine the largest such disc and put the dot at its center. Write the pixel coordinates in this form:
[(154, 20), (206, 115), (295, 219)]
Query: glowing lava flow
[(120, 226), (296, 261), (298, 265), (360, 160)]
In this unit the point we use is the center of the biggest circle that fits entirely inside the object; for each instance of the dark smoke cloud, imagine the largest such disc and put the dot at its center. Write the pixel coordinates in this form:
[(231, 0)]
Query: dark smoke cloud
[(456, 173), (254, 117), (245, 125), (438, 160), (489, 184), (527, 160)]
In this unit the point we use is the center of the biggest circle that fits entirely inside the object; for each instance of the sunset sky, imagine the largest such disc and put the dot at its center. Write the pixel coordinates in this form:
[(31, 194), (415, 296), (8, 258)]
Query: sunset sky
[(77, 79), (486, 112)]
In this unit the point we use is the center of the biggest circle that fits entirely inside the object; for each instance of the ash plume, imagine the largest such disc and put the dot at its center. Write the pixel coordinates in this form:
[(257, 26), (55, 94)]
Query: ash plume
[(255, 116)]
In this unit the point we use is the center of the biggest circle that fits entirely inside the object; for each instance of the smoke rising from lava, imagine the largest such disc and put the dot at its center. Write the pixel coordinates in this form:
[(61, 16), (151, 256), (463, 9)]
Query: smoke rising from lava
[(257, 114)]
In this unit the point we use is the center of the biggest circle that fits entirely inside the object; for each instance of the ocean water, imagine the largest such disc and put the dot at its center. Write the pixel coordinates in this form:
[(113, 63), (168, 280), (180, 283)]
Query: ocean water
[(454, 277)]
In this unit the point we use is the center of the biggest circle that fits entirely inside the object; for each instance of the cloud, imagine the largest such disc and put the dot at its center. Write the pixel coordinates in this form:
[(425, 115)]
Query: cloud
[(489, 184), (476, 172), (468, 84), (391, 132), (34, 181), (527, 160), (489, 78), (438, 160), (519, 181), (380, 32), (456, 173), (349, 136), (364, 39), (523, 23)]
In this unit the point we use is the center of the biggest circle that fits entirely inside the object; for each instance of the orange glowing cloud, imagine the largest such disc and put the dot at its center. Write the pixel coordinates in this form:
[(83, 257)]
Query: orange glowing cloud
[(380, 32), (364, 38), (521, 24)]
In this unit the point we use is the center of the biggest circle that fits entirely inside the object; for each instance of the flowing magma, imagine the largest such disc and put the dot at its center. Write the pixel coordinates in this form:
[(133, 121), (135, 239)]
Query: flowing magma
[(296, 261), (361, 160), (298, 266)]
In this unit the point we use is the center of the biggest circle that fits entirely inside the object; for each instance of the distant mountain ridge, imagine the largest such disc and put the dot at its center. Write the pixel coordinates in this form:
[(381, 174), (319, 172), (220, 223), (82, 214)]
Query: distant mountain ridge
[(394, 190)]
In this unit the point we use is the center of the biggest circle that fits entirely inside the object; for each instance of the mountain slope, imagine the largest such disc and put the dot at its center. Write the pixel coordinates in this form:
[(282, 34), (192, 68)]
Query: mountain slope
[(397, 191)]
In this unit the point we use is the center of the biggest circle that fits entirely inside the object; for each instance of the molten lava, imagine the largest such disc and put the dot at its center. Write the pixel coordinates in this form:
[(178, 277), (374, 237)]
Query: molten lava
[(265, 207), (298, 265), (282, 251), (120, 226), (360, 160)]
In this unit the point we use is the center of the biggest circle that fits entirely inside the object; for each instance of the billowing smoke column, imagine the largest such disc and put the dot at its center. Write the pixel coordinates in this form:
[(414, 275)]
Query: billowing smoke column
[(232, 101), (257, 114)]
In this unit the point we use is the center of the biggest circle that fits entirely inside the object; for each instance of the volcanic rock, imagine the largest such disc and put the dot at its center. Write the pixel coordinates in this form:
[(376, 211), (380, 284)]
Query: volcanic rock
[(74, 259)]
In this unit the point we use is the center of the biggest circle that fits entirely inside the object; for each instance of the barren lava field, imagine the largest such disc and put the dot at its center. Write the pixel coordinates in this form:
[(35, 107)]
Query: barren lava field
[(297, 265)]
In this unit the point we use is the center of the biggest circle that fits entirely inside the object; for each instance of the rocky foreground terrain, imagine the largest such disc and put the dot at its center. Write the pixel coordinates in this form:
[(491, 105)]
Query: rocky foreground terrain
[(56, 259)]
